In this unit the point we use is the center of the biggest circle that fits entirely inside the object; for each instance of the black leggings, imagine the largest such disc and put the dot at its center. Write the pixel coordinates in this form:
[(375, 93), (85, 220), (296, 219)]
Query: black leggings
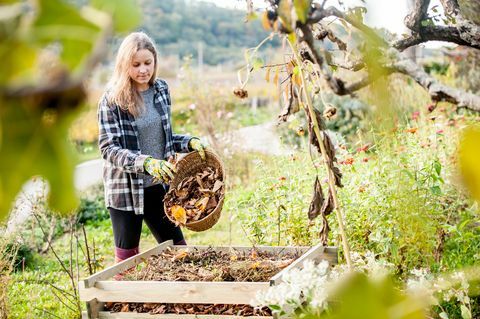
[(127, 226)]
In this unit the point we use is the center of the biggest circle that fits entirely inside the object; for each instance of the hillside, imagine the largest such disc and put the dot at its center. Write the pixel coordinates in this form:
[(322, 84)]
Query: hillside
[(178, 26)]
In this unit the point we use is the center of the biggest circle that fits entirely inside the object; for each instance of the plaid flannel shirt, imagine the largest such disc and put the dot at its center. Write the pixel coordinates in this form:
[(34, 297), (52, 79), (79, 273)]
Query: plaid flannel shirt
[(123, 161)]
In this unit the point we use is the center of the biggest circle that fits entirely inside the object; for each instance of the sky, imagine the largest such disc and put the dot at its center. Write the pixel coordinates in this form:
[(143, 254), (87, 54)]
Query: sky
[(388, 14)]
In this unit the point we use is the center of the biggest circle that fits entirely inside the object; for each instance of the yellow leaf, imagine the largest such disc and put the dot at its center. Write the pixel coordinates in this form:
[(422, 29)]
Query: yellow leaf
[(275, 77), (267, 75), (469, 153), (297, 79), (266, 22), (179, 214), (302, 7)]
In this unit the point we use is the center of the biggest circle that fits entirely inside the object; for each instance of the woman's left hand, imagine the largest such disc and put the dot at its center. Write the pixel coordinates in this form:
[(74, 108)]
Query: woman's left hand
[(197, 145)]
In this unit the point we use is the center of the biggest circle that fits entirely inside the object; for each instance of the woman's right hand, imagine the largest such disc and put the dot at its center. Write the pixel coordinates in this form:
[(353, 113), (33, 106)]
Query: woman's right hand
[(159, 169)]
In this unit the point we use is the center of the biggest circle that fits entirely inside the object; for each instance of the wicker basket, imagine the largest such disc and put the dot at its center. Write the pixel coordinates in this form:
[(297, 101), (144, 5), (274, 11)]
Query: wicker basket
[(192, 164)]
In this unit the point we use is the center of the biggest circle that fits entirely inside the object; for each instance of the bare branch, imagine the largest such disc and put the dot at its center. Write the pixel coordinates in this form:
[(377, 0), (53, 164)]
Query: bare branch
[(434, 33), (463, 32)]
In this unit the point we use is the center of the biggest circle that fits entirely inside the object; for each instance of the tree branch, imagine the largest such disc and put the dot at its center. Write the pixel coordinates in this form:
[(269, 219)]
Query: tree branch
[(434, 33), (319, 13), (438, 91), (413, 20), (462, 32)]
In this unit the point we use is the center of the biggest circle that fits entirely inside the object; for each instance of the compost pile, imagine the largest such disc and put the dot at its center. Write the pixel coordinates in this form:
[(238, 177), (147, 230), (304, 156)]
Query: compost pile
[(190, 309), (192, 264), (195, 197)]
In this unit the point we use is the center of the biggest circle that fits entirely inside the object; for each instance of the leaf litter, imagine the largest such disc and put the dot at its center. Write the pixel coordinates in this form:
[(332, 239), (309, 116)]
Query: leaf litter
[(195, 197)]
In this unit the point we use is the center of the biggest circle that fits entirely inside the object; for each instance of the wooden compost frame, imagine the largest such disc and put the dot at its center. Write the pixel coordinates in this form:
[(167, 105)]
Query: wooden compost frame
[(97, 289)]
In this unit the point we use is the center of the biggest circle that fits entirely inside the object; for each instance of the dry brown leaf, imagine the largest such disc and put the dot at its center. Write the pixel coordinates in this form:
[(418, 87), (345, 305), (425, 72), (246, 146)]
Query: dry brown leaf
[(218, 184), (317, 201), (202, 203)]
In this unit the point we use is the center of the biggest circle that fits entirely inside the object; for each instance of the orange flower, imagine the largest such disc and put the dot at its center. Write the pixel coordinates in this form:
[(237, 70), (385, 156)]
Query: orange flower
[(412, 130)]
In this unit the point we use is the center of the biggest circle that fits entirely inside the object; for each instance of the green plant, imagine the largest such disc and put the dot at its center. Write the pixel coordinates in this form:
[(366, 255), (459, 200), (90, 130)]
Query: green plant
[(92, 207)]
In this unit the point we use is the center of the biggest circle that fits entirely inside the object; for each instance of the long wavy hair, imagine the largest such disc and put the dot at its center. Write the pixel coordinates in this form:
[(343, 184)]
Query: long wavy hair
[(122, 89)]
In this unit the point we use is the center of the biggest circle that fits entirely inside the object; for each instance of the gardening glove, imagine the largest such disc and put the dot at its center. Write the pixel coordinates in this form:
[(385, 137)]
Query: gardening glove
[(196, 145), (159, 169)]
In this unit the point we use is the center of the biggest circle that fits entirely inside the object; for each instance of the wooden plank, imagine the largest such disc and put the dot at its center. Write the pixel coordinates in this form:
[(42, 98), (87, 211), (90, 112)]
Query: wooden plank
[(93, 308), (126, 264), (173, 291), (331, 255), (129, 315), (313, 253)]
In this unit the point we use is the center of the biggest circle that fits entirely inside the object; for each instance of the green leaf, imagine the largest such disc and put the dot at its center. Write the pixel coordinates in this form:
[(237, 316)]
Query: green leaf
[(469, 153), (126, 13), (292, 38), (466, 313), (438, 167), (296, 70), (59, 22), (34, 143), (360, 297), (436, 190), (302, 8), (258, 63), (285, 14), (21, 59)]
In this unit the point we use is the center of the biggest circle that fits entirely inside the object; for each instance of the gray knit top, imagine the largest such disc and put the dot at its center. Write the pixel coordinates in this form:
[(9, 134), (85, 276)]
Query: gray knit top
[(151, 135)]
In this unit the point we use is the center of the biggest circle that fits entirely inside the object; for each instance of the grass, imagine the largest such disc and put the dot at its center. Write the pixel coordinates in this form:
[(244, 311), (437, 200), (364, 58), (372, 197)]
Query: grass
[(34, 284)]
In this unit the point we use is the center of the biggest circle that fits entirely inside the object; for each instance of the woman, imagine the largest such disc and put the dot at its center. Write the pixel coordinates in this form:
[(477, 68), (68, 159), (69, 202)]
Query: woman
[(135, 140)]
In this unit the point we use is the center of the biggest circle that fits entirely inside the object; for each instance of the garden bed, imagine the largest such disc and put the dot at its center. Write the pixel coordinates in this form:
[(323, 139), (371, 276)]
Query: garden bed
[(192, 282)]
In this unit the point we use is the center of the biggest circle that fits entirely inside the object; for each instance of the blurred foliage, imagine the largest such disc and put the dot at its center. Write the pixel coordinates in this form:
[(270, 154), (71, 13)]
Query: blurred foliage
[(436, 68), (469, 154), (47, 48), (465, 68)]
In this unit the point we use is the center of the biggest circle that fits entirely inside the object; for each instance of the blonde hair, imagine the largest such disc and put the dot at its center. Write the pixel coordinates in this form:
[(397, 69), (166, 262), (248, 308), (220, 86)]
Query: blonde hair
[(123, 92)]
